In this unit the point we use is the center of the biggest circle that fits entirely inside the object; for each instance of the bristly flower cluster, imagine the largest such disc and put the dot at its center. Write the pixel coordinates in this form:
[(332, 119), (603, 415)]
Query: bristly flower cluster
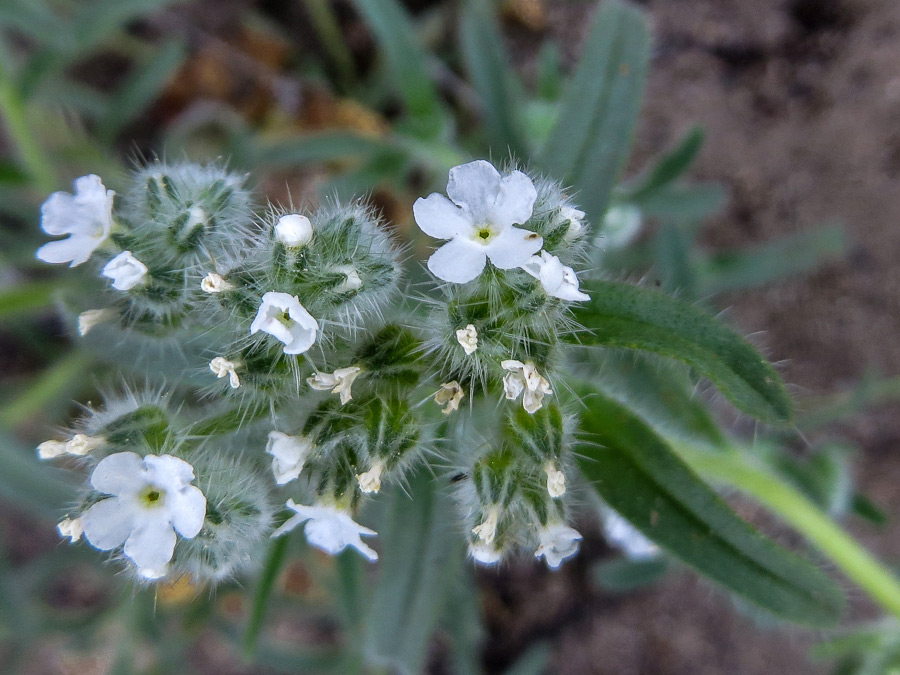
[(316, 377)]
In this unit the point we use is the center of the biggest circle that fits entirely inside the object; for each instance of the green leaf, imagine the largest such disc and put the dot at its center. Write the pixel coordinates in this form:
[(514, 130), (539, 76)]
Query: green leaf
[(622, 575), (792, 255), (625, 316), (670, 166), (26, 297), (592, 137), (420, 556), (683, 203), (96, 20), (265, 585), (406, 60), (493, 78), (641, 478), (673, 262), (329, 146), (30, 485), (47, 389), (865, 508)]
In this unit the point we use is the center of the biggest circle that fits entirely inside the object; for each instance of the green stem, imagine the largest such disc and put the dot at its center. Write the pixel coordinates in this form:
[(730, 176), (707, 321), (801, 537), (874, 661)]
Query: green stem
[(796, 510), (12, 108), (329, 33)]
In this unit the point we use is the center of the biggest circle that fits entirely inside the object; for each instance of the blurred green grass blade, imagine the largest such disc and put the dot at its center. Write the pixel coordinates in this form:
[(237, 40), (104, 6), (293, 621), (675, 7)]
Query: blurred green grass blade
[(865, 508), (463, 622), (684, 204), (407, 62), (420, 556), (29, 484), (142, 87), (264, 587), (773, 261), (641, 477), (494, 80), (329, 146), (47, 389), (26, 297), (671, 165), (673, 262), (625, 316), (592, 137), (35, 19), (622, 575)]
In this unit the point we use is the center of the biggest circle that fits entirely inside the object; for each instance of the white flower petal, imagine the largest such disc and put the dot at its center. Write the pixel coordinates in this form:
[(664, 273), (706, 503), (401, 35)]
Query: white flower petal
[(121, 473), (289, 454), (86, 216), (282, 316), (150, 546), (329, 529), (168, 472), (558, 542), (468, 339), (125, 270), (513, 248), (515, 199), (108, 523), (187, 510), (75, 250), (458, 261), (71, 529), (438, 217), (474, 186), (485, 554)]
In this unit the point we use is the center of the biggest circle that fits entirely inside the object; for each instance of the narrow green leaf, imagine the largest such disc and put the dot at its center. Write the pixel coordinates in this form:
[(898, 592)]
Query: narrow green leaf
[(406, 60), (420, 556), (30, 485), (625, 316), (671, 165), (592, 137), (673, 262), (640, 477), (683, 203), (26, 297), (327, 146), (865, 508), (622, 575), (96, 20), (46, 389), (494, 79), (265, 585)]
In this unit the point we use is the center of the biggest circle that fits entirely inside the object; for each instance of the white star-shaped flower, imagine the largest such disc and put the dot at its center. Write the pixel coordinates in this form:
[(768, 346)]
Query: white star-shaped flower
[(222, 367), (557, 279), (468, 339), (85, 216), (525, 377), (627, 538), (282, 316), (338, 382), (329, 529), (478, 220), (289, 454), (557, 543), (125, 270), (293, 230), (152, 499), (449, 395)]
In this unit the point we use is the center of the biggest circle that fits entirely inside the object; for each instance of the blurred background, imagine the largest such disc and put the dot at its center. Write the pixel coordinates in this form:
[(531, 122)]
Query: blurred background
[(795, 195)]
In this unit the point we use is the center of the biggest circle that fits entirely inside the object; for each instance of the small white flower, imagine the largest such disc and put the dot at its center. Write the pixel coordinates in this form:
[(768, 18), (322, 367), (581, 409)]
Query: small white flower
[(370, 481), (92, 317), (215, 283), (486, 554), (82, 444), (556, 480), (574, 218), (329, 529), (557, 279), (621, 225), (624, 536), (487, 530), (222, 367), (525, 377), (478, 220), (293, 230), (152, 499), (338, 382), (289, 454), (51, 449), (125, 270), (352, 280), (557, 543), (71, 528), (449, 395), (282, 316), (85, 216), (468, 339)]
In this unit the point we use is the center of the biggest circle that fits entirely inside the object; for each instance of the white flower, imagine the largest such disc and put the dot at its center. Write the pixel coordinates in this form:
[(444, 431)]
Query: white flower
[(289, 454), (525, 377), (486, 554), (478, 220), (557, 279), (328, 528), (90, 318), (222, 367), (79, 445), (125, 270), (282, 316), (71, 528), (557, 543), (85, 216), (370, 481), (339, 382), (487, 530), (51, 449), (621, 225), (293, 230), (352, 280), (215, 283), (575, 218), (468, 338), (624, 536), (556, 480), (449, 395), (152, 499)]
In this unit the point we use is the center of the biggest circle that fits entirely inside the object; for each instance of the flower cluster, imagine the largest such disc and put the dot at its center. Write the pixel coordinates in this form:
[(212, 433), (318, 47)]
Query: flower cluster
[(304, 358)]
